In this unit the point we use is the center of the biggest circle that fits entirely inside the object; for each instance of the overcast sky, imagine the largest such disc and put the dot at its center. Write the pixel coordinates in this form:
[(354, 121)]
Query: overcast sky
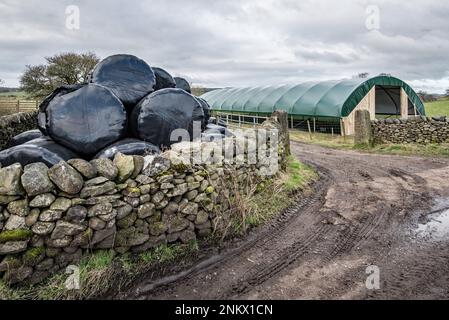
[(238, 42)]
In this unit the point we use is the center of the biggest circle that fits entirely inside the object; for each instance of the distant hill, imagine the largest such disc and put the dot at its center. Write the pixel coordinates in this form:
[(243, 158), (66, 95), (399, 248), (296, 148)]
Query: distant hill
[(198, 91), (6, 89)]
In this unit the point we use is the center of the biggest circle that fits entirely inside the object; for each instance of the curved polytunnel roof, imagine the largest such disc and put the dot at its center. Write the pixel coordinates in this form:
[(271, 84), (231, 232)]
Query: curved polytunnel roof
[(321, 99)]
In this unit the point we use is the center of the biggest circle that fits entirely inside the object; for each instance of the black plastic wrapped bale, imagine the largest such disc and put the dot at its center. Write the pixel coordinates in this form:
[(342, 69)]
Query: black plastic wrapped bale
[(208, 136), (206, 111), (128, 146), (160, 113), (38, 150), (213, 128), (60, 91), (25, 137), (163, 79), (213, 120), (221, 123), (86, 120), (183, 84), (127, 76)]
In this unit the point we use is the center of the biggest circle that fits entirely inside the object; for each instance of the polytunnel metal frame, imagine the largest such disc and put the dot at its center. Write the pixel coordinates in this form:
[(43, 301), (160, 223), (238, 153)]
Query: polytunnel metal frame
[(328, 99)]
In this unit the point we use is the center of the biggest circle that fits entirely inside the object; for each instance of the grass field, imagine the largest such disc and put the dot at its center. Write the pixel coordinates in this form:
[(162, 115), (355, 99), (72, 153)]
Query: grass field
[(437, 108), (15, 94)]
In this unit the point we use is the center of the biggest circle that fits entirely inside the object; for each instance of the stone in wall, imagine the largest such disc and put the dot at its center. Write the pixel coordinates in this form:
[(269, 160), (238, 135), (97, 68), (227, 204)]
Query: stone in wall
[(418, 130), (363, 130)]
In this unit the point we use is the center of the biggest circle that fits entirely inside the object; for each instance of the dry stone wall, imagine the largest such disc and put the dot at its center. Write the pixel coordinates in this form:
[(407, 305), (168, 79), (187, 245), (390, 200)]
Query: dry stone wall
[(420, 130), (52, 217), (15, 124)]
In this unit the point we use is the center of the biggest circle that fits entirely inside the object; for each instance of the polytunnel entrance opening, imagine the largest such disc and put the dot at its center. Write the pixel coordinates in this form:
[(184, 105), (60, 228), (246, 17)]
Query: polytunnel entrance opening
[(388, 100)]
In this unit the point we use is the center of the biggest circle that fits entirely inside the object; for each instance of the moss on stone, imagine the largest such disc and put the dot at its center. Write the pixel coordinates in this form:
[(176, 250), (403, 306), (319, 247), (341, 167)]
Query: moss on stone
[(158, 228), (128, 221), (121, 238), (209, 190), (180, 167), (205, 202), (15, 235), (163, 173), (202, 173), (33, 256), (260, 187)]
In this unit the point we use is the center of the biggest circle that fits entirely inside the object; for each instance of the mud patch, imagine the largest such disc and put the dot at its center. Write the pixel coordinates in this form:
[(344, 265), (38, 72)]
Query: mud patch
[(364, 211)]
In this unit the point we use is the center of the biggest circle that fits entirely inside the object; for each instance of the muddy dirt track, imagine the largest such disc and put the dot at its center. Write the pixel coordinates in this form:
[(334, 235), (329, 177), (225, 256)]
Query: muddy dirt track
[(382, 210)]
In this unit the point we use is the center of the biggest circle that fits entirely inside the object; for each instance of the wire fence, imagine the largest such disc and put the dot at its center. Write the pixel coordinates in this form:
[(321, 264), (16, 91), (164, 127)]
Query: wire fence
[(10, 105), (308, 124)]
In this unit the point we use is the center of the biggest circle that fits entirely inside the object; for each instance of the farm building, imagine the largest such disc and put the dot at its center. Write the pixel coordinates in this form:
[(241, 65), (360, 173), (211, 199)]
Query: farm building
[(328, 105)]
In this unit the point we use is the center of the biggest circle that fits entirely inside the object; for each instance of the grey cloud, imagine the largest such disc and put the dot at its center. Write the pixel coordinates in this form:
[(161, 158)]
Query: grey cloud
[(236, 43)]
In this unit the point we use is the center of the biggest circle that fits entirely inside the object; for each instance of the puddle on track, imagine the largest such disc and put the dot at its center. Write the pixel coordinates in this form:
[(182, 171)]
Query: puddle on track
[(437, 224)]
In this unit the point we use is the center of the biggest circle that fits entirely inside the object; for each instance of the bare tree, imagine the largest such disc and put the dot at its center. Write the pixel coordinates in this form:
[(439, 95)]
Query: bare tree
[(426, 97), (65, 68), (363, 75)]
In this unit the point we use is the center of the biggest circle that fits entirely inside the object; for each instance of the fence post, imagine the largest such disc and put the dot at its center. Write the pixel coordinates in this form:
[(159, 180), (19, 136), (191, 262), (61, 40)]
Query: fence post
[(343, 130), (18, 106), (240, 121), (291, 121), (284, 134), (254, 121), (227, 119), (310, 130), (314, 125)]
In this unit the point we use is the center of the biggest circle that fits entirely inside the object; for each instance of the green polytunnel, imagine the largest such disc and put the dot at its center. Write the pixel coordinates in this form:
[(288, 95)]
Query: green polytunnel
[(335, 99)]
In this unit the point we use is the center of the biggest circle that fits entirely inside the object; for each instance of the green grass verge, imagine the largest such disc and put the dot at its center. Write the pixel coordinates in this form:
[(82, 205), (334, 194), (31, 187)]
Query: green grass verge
[(99, 273), (167, 253), (278, 194), (338, 142), (323, 139)]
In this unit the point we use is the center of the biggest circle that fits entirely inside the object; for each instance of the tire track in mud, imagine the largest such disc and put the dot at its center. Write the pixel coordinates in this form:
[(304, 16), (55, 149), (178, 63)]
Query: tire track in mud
[(305, 206), (302, 234), (425, 272), (265, 271), (356, 236)]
